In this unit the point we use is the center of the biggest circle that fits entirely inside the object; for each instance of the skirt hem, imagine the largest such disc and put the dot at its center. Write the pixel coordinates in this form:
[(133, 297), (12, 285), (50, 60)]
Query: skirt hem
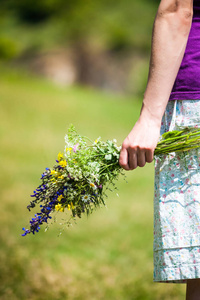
[(177, 274)]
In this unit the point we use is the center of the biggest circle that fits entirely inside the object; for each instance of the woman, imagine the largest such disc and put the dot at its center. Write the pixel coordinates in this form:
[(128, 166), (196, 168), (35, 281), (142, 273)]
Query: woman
[(174, 75)]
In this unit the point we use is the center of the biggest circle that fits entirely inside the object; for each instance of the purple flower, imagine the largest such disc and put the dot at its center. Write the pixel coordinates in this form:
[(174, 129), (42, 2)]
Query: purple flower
[(26, 231)]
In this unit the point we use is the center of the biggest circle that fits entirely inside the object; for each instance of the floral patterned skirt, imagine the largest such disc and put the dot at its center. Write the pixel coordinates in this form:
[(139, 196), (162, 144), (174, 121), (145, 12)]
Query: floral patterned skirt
[(177, 201)]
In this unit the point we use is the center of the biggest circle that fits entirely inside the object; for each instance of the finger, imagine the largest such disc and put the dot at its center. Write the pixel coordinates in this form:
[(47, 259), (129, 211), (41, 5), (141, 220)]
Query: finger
[(132, 159), (141, 159), (149, 154), (123, 159)]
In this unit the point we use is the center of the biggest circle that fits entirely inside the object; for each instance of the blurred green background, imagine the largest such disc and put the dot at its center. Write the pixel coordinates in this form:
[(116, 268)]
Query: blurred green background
[(83, 62)]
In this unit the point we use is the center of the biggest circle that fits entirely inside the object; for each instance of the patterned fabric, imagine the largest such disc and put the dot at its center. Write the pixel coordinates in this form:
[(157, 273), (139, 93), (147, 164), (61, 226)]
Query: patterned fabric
[(177, 201)]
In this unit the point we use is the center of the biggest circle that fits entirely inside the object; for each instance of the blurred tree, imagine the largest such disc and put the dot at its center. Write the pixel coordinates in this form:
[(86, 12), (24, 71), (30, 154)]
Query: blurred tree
[(92, 31), (118, 24), (8, 48), (33, 11)]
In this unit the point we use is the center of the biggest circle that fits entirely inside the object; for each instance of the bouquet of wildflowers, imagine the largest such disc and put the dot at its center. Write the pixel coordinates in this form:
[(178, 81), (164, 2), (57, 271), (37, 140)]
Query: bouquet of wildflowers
[(77, 183)]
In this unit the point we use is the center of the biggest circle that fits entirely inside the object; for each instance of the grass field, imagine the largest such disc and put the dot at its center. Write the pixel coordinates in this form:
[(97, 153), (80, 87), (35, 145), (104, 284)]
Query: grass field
[(108, 256)]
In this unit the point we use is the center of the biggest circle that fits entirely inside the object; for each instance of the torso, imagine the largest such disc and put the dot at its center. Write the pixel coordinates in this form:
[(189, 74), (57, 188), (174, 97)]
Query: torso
[(187, 84)]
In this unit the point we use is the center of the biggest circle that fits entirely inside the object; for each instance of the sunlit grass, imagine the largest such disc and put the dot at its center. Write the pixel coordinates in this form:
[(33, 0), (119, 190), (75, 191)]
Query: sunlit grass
[(107, 256)]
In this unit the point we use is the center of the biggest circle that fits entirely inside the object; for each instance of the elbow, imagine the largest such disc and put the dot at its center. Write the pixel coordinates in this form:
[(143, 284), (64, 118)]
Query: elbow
[(185, 21), (176, 7), (186, 17), (178, 17)]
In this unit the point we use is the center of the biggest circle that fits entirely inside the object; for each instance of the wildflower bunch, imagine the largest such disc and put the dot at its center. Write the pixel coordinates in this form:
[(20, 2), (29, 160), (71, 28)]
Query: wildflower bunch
[(78, 182)]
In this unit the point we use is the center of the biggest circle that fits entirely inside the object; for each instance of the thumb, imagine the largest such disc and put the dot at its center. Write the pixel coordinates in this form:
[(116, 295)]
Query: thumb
[(123, 159)]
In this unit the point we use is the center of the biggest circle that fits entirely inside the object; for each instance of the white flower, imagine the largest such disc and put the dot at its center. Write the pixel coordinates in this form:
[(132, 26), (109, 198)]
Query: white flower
[(116, 154), (94, 177), (68, 143), (95, 167), (92, 185), (86, 198), (108, 156)]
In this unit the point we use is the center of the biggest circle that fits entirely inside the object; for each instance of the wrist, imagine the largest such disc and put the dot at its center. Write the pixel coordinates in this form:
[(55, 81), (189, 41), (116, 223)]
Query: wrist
[(151, 115)]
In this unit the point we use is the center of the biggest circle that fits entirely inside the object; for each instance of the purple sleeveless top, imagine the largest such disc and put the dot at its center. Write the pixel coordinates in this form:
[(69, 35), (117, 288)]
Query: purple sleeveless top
[(187, 83)]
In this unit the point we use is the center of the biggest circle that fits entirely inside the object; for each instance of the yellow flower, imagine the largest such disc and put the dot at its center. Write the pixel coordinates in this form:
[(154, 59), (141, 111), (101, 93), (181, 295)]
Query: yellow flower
[(63, 163), (68, 149), (53, 172), (61, 177), (93, 186), (60, 197), (59, 207), (53, 179), (60, 156), (96, 141), (70, 206)]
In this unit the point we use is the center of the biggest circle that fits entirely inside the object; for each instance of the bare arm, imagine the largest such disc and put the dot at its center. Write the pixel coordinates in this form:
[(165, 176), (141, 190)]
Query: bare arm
[(170, 34)]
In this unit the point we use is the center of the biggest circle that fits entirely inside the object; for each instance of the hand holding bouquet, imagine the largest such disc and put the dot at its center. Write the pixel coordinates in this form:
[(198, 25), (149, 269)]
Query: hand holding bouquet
[(77, 183)]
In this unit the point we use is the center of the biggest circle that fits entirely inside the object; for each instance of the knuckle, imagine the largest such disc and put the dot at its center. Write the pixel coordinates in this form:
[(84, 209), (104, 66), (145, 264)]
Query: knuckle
[(142, 148), (126, 144), (138, 148), (133, 147)]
